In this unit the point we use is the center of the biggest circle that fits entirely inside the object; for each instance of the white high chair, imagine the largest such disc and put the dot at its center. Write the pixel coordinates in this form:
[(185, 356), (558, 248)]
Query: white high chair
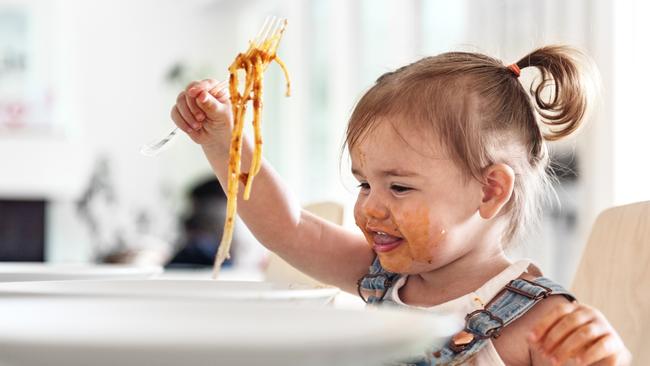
[(614, 274)]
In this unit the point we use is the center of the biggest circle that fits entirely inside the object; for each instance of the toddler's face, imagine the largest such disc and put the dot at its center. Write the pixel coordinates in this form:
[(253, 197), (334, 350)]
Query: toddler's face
[(414, 207)]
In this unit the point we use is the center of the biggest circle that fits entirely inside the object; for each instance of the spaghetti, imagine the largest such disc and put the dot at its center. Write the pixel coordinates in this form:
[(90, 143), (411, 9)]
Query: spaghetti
[(253, 62)]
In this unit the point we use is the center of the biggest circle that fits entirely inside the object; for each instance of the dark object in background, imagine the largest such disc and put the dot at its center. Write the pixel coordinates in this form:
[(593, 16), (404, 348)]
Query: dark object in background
[(203, 227), (22, 230)]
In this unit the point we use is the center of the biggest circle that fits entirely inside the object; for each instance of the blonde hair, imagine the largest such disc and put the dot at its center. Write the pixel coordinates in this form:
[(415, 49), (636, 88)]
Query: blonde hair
[(482, 115)]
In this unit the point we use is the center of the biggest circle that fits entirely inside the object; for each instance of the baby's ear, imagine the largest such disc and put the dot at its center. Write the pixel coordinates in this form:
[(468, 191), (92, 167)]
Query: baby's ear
[(499, 182)]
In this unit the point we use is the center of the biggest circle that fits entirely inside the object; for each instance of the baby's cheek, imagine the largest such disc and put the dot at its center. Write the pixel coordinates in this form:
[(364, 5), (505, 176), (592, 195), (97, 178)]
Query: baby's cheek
[(398, 260), (361, 223), (427, 247), (423, 234)]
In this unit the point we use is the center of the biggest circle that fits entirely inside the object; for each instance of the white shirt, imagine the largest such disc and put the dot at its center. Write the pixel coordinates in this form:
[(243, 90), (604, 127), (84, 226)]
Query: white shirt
[(456, 309)]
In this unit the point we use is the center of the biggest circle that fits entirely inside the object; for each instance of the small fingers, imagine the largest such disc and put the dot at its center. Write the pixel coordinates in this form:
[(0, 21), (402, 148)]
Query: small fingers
[(180, 121), (191, 85), (566, 325), (195, 87), (194, 108), (578, 341), (184, 111), (608, 350), (220, 92), (209, 104), (548, 321), (191, 103)]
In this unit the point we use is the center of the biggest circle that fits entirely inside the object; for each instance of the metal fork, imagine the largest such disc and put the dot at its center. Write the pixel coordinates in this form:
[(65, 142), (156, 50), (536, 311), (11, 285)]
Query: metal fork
[(270, 28)]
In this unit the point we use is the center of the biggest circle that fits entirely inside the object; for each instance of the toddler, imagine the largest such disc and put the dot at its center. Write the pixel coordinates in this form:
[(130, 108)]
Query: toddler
[(451, 160)]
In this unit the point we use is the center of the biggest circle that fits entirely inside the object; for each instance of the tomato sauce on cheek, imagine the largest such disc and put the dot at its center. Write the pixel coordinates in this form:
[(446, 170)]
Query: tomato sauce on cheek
[(361, 223), (423, 236), (398, 260)]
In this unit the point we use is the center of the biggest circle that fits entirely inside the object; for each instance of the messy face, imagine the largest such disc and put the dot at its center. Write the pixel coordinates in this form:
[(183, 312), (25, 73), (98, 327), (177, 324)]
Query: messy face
[(414, 206)]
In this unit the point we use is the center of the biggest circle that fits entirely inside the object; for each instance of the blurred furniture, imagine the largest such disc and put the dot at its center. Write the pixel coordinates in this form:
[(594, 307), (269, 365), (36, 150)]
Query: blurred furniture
[(330, 211), (22, 230), (614, 274), (203, 227), (278, 270)]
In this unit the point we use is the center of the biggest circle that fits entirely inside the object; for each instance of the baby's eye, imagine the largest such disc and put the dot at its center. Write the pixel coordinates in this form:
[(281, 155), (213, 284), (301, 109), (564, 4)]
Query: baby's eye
[(399, 189), (364, 186)]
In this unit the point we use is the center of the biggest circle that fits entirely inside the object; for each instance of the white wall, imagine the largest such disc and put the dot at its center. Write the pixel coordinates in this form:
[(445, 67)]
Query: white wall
[(631, 125), (109, 60), (44, 162)]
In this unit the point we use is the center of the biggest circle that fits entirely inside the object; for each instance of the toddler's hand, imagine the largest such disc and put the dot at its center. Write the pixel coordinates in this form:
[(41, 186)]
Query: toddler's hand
[(579, 334), (203, 111)]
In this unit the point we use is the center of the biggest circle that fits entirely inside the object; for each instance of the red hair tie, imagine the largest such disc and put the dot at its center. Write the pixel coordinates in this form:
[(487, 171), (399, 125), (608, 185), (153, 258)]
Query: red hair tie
[(515, 69)]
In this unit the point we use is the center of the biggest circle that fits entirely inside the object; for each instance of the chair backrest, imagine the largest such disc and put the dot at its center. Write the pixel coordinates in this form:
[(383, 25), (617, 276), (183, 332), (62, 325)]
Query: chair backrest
[(614, 274), (330, 211), (278, 270)]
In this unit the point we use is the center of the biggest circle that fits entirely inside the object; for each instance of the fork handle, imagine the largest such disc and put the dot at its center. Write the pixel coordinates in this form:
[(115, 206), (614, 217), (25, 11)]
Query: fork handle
[(154, 148)]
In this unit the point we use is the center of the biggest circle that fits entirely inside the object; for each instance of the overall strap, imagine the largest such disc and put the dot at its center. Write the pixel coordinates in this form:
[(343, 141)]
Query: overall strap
[(512, 302), (378, 280)]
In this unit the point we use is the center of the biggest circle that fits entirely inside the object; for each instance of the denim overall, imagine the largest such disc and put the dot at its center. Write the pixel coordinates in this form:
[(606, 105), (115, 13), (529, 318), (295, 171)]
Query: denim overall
[(513, 301)]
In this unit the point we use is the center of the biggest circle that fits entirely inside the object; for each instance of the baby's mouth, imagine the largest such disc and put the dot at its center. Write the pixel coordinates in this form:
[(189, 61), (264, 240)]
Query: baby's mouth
[(384, 242)]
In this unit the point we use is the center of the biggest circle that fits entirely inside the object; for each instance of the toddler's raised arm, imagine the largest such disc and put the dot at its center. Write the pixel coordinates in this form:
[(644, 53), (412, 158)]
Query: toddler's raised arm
[(323, 250)]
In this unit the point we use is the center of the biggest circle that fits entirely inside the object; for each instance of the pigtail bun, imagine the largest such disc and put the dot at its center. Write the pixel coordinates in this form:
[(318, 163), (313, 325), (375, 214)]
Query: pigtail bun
[(571, 77)]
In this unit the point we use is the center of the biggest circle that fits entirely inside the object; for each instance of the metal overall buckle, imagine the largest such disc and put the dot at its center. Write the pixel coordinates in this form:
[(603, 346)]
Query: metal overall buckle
[(466, 337), (388, 282), (542, 295)]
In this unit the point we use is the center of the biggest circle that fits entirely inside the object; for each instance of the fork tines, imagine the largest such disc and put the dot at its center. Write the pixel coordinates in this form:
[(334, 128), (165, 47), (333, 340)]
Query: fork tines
[(271, 27)]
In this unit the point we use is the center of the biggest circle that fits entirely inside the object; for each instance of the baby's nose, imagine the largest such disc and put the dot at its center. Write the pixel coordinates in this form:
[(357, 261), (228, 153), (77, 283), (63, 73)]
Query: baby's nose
[(375, 210)]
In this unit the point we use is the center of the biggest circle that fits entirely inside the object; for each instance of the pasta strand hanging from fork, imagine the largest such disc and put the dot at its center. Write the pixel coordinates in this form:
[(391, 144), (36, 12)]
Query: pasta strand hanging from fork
[(261, 52)]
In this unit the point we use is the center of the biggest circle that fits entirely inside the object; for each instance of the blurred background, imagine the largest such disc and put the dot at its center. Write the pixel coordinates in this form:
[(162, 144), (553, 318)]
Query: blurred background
[(83, 84)]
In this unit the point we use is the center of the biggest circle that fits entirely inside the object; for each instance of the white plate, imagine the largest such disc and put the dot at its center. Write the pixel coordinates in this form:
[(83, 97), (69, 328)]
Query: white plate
[(28, 271), (196, 289), (93, 331)]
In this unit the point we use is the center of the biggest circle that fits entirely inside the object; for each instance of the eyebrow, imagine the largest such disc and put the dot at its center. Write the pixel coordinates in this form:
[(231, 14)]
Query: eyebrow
[(390, 173)]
